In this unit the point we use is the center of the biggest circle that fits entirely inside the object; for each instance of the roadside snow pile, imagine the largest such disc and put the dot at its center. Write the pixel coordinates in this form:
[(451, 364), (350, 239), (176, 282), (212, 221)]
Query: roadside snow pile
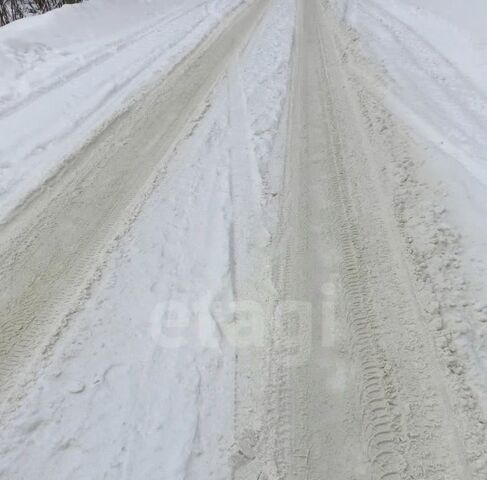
[(435, 52), (66, 72)]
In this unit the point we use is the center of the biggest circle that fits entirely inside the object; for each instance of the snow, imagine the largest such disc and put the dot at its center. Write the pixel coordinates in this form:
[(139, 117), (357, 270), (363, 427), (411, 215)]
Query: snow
[(65, 73), (436, 57), (141, 382), (433, 59)]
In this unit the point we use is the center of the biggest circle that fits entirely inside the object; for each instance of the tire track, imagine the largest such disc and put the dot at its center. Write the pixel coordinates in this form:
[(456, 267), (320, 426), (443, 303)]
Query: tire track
[(382, 311), (438, 284), (392, 397)]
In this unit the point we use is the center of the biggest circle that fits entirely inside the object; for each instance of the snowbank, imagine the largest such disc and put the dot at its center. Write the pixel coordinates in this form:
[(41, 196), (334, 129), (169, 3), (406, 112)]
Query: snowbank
[(63, 74), (435, 53)]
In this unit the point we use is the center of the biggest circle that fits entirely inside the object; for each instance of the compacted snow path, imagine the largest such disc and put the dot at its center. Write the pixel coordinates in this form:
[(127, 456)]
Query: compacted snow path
[(268, 292)]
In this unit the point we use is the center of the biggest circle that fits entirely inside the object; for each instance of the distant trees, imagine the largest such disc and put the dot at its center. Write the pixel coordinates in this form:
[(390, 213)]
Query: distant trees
[(11, 10)]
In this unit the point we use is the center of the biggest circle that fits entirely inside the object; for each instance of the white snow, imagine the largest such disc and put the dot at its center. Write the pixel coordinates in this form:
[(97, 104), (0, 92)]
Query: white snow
[(140, 383), (433, 57), (435, 53), (65, 73), (131, 390)]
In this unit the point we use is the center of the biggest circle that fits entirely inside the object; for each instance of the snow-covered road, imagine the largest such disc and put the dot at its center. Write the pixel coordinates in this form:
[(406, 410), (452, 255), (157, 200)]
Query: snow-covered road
[(249, 271)]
